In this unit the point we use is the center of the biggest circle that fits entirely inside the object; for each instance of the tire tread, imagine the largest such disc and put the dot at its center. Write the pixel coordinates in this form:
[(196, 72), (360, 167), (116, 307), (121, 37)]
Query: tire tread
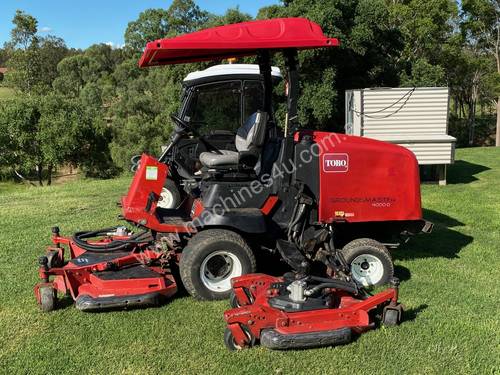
[(201, 239)]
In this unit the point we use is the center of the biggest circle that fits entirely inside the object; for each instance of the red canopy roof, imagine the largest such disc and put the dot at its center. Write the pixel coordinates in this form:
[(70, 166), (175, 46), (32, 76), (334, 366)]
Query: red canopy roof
[(241, 39)]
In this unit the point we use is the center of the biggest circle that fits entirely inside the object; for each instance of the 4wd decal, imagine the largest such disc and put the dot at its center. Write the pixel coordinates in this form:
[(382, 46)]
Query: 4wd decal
[(335, 163)]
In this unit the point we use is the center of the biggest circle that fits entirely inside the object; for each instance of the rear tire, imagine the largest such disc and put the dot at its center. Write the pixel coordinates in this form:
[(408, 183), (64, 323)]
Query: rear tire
[(211, 259), (370, 261)]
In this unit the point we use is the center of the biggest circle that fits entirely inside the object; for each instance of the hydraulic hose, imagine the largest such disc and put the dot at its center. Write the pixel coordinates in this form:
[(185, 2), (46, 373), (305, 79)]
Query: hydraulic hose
[(80, 239), (331, 283)]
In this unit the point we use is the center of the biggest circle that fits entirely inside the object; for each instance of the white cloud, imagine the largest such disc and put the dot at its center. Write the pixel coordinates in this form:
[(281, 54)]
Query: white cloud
[(45, 29)]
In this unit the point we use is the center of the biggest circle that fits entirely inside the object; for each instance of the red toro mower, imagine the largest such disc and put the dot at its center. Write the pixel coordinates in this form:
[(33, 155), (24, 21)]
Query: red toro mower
[(232, 185)]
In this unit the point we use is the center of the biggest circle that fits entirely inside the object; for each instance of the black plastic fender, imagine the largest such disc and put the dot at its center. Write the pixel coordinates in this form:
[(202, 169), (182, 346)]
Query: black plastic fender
[(247, 220)]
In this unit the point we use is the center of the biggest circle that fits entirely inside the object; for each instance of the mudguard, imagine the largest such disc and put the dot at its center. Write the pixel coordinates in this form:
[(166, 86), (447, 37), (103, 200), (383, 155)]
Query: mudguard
[(247, 220)]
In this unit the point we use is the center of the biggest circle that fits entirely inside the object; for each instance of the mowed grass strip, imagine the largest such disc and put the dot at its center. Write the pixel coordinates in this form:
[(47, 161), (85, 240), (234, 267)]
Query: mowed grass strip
[(450, 287)]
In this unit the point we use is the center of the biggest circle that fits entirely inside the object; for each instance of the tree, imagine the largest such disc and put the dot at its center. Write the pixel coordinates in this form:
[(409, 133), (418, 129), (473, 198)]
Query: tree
[(96, 64), (185, 16), (24, 62), (182, 16), (42, 132), (73, 74), (370, 44), (426, 26), (4, 56), (24, 32), (19, 120), (152, 24), (481, 25), (232, 15), (32, 60)]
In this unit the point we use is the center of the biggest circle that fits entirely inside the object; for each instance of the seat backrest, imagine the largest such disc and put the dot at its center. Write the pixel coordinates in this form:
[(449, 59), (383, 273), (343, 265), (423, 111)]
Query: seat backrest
[(252, 133)]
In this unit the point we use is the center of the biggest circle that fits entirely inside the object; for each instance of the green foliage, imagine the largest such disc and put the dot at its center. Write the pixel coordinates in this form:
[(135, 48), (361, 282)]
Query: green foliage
[(232, 15), (424, 74), (181, 17), (46, 131), (370, 45), (4, 56), (142, 108), (425, 27), (481, 22), (152, 24), (25, 29), (483, 130), (19, 120), (125, 110), (32, 60)]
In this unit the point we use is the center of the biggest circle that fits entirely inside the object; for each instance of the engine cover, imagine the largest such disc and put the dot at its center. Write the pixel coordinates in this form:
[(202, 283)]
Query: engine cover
[(363, 180)]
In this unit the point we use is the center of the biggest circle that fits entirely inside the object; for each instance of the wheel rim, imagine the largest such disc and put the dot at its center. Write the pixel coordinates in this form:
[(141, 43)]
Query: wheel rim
[(167, 199), (218, 269), (367, 269)]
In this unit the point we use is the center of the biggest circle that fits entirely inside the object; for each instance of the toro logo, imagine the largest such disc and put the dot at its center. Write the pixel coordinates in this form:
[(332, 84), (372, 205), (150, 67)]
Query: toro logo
[(335, 162)]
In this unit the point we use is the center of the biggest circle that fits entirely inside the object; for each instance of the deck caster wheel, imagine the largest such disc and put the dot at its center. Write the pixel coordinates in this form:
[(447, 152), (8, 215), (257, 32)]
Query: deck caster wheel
[(231, 344), (392, 316), (48, 298), (54, 260), (233, 301)]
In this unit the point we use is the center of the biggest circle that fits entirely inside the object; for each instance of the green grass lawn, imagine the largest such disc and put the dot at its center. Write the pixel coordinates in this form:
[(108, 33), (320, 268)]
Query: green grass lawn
[(450, 286), (6, 92)]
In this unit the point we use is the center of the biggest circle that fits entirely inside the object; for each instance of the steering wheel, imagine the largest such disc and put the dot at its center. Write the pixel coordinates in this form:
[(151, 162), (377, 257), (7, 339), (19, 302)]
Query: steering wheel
[(180, 122)]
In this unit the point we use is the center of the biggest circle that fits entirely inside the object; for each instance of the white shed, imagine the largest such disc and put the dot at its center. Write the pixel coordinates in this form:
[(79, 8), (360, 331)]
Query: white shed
[(416, 118)]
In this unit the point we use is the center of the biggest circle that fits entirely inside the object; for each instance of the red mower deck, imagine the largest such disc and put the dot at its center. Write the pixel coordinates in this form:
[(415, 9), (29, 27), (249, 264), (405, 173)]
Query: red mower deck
[(266, 310), (133, 276)]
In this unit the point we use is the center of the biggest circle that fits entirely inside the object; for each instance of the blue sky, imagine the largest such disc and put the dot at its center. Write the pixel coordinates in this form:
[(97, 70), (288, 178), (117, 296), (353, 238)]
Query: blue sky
[(85, 22)]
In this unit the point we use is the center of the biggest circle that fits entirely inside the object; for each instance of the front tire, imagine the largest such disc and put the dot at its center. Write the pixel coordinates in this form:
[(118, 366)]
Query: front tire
[(370, 262), (170, 197), (211, 259)]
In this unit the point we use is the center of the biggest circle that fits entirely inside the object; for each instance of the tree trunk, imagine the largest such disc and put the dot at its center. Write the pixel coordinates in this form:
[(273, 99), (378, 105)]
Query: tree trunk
[(39, 174), (462, 109), (497, 140), (471, 131), (49, 177)]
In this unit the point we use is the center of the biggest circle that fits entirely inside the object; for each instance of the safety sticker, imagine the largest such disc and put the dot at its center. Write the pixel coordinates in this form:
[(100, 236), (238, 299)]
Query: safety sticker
[(151, 173)]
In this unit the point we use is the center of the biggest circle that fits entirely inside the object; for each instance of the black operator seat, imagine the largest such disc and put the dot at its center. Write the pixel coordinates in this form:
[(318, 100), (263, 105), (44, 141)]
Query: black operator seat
[(249, 141)]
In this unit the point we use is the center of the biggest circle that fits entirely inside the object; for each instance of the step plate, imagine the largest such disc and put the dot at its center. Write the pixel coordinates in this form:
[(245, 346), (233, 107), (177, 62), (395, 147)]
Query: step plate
[(133, 272), (89, 258)]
